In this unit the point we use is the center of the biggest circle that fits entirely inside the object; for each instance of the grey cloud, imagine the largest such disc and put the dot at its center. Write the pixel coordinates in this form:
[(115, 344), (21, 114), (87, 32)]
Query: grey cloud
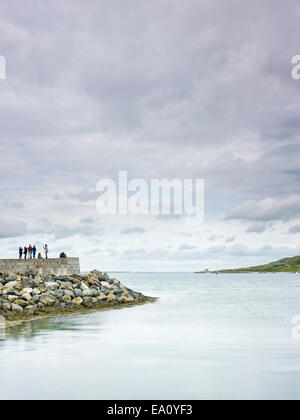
[(230, 239), (58, 231), (12, 228), (87, 221), (289, 127), (133, 230), (61, 248), (63, 231), (168, 217), (267, 210), (186, 247), (17, 205), (213, 253), (257, 227), (294, 229), (93, 251), (214, 237), (84, 196)]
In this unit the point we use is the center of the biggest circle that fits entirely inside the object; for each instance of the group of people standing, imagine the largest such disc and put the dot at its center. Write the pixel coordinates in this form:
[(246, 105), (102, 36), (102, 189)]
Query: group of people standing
[(30, 252)]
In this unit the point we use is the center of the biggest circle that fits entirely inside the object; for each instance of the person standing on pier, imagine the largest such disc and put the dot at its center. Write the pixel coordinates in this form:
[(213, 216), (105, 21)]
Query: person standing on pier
[(34, 251), (25, 253), (30, 252), (20, 252), (46, 250)]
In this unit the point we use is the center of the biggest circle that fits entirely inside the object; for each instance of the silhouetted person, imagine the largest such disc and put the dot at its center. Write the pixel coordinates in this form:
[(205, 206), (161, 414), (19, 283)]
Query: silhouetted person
[(34, 251), (25, 253), (20, 252), (46, 250)]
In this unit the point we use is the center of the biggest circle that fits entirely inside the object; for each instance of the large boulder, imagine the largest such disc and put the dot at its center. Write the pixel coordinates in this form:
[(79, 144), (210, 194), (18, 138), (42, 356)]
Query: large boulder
[(77, 301), (9, 287), (47, 300), (16, 308)]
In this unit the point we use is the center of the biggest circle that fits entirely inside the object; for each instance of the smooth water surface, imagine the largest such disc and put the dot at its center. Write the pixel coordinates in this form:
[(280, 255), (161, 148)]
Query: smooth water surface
[(209, 336)]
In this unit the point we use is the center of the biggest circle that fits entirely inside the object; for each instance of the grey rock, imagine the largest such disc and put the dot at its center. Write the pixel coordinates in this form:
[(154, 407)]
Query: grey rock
[(78, 292), (16, 308)]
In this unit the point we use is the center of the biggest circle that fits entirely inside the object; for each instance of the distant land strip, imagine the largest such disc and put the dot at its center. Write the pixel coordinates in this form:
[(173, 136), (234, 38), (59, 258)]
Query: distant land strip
[(285, 265)]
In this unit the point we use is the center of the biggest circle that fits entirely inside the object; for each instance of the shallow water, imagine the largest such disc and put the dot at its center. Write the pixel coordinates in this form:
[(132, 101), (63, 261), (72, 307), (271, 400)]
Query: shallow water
[(209, 336)]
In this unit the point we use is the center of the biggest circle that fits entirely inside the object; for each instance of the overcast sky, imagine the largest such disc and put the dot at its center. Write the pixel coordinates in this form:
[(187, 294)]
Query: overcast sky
[(166, 88)]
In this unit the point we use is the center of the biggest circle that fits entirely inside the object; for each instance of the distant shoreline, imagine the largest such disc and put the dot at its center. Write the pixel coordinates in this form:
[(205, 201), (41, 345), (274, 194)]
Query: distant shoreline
[(246, 272), (285, 265)]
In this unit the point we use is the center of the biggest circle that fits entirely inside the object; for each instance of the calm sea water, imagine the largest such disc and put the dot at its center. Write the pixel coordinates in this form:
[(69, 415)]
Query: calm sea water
[(208, 337)]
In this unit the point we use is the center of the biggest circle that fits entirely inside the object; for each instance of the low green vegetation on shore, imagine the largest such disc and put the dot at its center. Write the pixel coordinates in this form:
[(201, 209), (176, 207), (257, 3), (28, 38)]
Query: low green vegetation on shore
[(285, 265)]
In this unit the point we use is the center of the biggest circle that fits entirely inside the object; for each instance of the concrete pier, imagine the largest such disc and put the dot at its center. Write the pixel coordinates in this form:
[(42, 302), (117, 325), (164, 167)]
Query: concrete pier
[(56, 266)]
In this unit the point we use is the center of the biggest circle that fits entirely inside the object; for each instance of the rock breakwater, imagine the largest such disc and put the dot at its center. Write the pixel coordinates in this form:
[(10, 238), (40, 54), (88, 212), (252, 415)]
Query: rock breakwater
[(32, 295)]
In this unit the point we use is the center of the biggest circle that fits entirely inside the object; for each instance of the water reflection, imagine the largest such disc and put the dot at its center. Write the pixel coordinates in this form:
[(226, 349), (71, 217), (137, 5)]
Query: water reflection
[(2, 328), (2, 334), (35, 328)]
